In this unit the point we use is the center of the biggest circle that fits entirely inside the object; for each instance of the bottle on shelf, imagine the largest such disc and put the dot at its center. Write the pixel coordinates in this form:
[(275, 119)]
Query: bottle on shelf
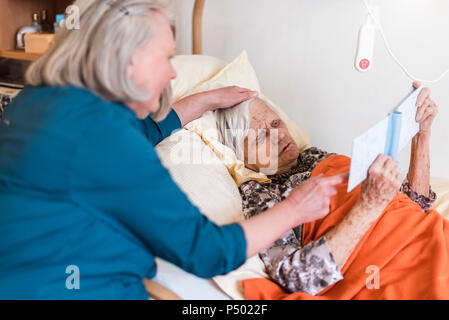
[(46, 25), (57, 24), (35, 27)]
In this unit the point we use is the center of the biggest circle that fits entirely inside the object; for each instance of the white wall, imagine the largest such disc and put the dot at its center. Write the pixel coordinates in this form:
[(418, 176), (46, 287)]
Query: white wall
[(303, 52)]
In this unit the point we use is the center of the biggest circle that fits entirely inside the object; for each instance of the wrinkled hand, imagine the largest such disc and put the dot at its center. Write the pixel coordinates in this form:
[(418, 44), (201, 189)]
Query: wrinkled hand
[(382, 184), (228, 97), (427, 109), (312, 198)]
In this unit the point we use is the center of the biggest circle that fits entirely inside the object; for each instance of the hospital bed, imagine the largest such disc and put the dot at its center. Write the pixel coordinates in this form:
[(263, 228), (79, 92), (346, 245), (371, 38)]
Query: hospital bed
[(218, 198)]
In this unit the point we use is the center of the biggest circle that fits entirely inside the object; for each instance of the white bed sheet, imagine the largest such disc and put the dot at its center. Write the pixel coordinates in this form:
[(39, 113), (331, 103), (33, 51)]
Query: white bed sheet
[(186, 285)]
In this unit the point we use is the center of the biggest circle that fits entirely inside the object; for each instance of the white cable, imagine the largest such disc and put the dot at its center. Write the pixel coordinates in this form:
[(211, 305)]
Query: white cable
[(387, 45)]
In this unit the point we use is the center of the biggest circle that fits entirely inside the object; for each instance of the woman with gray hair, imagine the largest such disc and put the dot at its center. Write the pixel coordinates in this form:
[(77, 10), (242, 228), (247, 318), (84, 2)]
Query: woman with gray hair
[(261, 139), (85, 202)]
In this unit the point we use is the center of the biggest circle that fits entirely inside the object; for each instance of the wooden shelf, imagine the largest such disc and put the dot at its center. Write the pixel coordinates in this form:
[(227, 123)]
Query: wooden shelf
[(19, 55), (15, 14)]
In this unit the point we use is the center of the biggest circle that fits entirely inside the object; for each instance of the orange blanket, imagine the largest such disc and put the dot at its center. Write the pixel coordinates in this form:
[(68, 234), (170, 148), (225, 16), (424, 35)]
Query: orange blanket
[(409, 248)]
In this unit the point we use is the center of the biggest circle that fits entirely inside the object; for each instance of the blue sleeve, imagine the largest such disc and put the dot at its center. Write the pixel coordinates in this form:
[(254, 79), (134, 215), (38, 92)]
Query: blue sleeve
[(158, 131), (116, 173)]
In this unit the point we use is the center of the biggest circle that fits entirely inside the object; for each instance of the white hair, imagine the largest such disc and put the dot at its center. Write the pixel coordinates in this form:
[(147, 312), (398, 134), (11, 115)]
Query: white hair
[(97, 56), (233, 125)]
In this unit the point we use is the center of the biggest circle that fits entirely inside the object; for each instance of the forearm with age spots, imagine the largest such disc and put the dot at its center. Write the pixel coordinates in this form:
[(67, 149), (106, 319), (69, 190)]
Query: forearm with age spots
[(419, 170), (343, 238)]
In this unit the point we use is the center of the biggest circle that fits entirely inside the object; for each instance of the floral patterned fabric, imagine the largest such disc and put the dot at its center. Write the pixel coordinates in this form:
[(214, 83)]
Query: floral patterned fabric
[(311, 268)]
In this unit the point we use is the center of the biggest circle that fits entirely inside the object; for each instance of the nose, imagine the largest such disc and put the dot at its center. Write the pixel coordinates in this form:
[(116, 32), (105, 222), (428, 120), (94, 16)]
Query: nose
[(276, 136), (281, 134)]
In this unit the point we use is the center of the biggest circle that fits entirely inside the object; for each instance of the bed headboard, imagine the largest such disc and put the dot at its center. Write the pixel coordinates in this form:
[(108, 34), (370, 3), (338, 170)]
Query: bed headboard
[(197, 25)]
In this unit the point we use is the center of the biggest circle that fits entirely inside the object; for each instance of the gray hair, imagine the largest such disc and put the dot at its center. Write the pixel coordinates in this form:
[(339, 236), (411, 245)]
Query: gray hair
[(233, 126), (97, 56)]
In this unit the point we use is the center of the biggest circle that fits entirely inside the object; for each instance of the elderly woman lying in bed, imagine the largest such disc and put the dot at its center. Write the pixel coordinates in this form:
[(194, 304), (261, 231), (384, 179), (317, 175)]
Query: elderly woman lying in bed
[(261, 139)]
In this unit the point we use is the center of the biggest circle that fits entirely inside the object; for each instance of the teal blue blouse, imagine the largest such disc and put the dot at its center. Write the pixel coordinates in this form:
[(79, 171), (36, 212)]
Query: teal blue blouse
[(86, 205)]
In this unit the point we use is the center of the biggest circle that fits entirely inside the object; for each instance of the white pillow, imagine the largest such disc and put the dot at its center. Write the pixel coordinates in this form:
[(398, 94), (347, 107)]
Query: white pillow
[(192, 164), (192, 70), (441, 188)]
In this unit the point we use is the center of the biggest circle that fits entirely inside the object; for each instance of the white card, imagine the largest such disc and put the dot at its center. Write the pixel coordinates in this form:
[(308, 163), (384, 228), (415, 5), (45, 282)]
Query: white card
[(365, 150), (370, 144)]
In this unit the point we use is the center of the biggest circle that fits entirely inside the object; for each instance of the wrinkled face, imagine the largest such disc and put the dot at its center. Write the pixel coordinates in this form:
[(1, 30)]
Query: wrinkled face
[(269, 147), (151, 69)]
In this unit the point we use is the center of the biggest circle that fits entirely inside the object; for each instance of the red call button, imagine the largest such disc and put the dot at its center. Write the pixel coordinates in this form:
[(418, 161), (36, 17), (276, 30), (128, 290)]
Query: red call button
[(364, 64)]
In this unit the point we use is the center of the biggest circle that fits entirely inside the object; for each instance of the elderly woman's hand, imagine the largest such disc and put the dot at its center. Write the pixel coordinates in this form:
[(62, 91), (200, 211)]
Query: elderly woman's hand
[(427, 109), (229, 96), (382, 184)]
